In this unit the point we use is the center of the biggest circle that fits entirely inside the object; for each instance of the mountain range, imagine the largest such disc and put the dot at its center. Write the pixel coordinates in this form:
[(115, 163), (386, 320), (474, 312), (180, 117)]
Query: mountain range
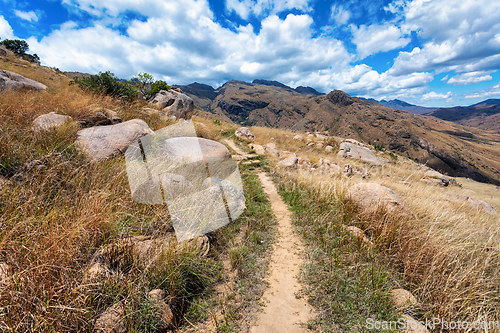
[(444, 145)]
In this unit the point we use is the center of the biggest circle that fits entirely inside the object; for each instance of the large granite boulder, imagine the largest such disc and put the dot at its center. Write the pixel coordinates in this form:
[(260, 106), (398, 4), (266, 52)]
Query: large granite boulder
[(243, 133), (353, 151), (174, 103), (49, 121), (102, 142), (12, 81), (371, 196)]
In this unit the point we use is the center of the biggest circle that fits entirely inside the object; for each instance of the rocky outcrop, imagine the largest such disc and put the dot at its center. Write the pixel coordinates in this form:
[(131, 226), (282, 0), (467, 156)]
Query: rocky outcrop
[(340, 98), (435, 177), (12, 81), (174, 103), (473, 202), (243, 133), (371, 196), (49, 121), (289, 162), (349, 150), (102, 142)]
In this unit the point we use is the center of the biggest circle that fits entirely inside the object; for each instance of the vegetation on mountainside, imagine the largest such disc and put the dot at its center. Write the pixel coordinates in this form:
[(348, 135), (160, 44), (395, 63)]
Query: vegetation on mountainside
[(107, 83), (20, 47)]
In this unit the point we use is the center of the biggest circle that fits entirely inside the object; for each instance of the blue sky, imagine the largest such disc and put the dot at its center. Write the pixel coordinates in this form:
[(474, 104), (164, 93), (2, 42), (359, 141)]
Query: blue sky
[(434, 53)]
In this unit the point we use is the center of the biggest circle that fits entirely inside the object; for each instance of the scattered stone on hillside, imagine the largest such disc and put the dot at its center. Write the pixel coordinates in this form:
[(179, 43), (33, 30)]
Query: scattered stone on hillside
[(321, 136), (298, 138), (4, 274), (348, 170), (339, 97), (329, 149), (12, 81), (358, 233), (145, 249), (286, 154), (371, 196), (319, 145), (383, 160), (243, 133), (112, 320), (356, 142), (102, 142), (432, 176), (49, 121), (95, 119), (310, 136), (174, 103), (412, 325), (310, 144), (270, 150), (96, 272), (163, 313), (289, 162), (238, 158), (403, 299), (473, 202), (349, 150), (258, 149)]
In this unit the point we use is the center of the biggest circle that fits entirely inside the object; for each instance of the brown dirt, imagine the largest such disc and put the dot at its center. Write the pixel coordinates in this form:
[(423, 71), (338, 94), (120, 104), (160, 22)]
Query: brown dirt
[(284, 309)]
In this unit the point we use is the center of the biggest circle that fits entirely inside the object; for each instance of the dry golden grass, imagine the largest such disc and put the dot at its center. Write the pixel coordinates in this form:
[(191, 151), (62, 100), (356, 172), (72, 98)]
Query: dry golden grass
[(447, 252)]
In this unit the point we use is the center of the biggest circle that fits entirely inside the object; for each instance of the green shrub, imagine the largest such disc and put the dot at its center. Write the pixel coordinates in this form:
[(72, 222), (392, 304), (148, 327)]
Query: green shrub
[(106, 83), (147, 86), (16, 45)]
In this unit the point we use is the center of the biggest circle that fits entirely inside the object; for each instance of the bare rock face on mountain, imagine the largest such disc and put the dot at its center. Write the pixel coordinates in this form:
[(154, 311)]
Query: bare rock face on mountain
[(371, 196), (49, 121), (174, 103), (12, 81), (102, 142), (340, 98)]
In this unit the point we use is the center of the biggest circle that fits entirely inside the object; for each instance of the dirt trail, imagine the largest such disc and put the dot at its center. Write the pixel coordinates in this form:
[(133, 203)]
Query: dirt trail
[(283, 311), (234, 147)]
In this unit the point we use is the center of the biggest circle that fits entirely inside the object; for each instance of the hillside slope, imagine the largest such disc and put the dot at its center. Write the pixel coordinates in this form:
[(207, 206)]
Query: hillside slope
[(445, 146)]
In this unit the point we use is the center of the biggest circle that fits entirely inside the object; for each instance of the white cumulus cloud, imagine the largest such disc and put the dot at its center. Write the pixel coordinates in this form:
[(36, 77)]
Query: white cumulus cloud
[(435, 96), (377, 38), (28, 16), (470, 78), (340, 15), (6, 31), (265, 7)]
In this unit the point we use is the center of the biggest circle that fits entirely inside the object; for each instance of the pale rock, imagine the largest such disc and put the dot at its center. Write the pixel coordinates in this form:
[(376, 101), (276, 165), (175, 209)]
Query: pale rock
[(102, 142), (412, 325), (162, 310), (329, 149), (49, 121), (12, 81), (437, 177), (298, 138), (258, 149), (289, 162), (358, 233), (271, 151), (473, 202), (174, 103), (349, 150), (371, 196), (243, 133), (112, 320), (403, 299), (286, 154), (271, 145)]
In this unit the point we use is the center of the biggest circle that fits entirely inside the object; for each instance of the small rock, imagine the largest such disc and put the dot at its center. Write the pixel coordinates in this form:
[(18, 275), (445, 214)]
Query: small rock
[(473, 202), (319, 145), (402, 298), (162, 310), (271, 151), (49, 121), (112, 320), (357, 233), (238, 158), (328, 149), (349, 150), (321, 136), (285, 154), (4, 274), (288, 162), (348, 170), (174, 103), (271, 145), (243, 133), (298, 138), (258, 149), (412, 325), (96, 272)]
